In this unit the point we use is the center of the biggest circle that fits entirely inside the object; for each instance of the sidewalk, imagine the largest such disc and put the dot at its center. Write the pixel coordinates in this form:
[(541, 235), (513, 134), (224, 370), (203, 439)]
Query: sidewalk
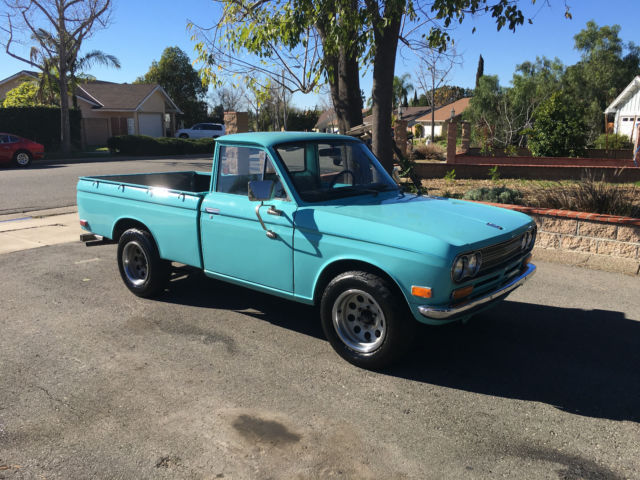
[(23, 231)]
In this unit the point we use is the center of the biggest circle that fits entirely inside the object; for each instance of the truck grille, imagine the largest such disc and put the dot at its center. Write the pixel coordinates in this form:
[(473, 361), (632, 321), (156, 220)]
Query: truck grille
[(495, 255)]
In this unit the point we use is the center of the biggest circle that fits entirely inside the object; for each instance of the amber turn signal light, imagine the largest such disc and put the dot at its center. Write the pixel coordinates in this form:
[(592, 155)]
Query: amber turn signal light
[(424, 292), (461, 293)]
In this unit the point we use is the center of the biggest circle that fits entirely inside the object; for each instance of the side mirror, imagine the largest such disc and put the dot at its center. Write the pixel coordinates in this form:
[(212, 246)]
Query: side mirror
[(261, 190)]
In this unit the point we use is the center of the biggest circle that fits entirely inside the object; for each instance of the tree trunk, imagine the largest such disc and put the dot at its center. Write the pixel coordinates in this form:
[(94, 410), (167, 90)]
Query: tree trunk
[(386, 44)]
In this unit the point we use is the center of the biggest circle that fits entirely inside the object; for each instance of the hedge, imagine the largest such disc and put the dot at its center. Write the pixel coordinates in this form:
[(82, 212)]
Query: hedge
[(40, 124), (144, 145)]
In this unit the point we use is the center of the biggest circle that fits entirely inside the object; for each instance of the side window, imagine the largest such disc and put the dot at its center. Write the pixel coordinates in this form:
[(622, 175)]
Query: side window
[(216, 127), (13, 139), (293, 157), (197, 127), (4, 138), (240, 165), (207, 126)]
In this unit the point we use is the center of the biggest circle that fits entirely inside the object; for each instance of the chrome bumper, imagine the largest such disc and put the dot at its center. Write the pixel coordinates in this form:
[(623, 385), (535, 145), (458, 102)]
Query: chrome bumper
[(442, 313)]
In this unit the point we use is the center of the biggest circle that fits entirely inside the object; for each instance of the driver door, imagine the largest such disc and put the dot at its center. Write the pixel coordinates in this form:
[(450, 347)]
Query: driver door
[(234, 244)]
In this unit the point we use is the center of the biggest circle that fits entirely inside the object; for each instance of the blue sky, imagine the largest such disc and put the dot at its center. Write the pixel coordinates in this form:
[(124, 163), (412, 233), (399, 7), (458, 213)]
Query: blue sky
[(141, 30)]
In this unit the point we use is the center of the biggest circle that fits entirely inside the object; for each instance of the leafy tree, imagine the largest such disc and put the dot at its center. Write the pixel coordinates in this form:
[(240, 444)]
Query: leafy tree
[(559, 129), (58, 29), (606, 67), (24, 95), (501, 116), (181, 81), (344, 31)]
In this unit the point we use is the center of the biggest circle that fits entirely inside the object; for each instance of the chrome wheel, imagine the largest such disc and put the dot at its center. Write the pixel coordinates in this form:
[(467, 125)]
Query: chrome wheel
[(359, 321), (22, 159), (135, 263)]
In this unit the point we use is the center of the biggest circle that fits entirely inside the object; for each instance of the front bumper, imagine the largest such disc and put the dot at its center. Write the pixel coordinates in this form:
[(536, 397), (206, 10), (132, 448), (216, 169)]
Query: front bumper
[(462, 309)]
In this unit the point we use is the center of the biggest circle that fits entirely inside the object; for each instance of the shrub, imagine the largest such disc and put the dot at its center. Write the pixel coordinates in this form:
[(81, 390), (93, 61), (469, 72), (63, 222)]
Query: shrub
[(559, 129), (613, 141), (40, 124), (450, 176), (495, 195), (144, 145), (418, 130), (431, 151), (494, 174), (590, 195)]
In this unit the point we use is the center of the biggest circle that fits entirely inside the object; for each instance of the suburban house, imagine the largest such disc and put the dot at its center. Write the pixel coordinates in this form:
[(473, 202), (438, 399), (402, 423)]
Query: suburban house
[(442, 116), (624, 111), (13, 81), (110, 109)]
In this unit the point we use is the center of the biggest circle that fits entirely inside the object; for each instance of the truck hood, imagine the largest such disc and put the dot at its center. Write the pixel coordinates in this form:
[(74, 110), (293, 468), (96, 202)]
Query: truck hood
[(413, 222)]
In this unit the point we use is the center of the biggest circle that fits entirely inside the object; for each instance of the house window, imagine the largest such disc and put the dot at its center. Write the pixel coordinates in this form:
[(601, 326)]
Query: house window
[(131, 128)]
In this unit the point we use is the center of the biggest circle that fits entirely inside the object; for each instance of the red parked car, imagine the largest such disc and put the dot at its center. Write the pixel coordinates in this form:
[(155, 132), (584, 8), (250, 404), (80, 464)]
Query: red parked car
[(19, 151)]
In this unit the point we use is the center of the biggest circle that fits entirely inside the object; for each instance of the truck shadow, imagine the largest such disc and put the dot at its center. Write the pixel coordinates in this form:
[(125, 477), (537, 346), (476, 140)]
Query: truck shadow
[(586, 362), (191, 287)]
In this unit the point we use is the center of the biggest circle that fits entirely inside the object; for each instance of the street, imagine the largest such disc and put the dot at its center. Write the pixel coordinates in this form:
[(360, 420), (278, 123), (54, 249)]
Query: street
[(215, 381)]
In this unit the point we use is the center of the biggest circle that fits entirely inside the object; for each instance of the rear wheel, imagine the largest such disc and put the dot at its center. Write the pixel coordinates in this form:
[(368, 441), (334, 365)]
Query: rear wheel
[(183, 135), (140, 265), (22, 158), (365, 319)]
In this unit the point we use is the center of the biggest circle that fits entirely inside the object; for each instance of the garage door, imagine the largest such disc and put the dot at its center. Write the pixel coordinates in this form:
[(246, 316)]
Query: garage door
[(150, 124)]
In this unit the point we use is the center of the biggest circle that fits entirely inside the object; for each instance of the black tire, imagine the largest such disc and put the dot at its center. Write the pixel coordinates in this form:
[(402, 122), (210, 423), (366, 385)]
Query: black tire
[(381, 329), (141, 268), (22, 158), (183, 135)]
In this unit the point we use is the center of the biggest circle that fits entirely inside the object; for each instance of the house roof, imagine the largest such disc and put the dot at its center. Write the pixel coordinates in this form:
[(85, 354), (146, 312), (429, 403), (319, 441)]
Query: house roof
[(120, 96), (410, 114), (21, 73), (443, 114), (627, 93), (326, 118)]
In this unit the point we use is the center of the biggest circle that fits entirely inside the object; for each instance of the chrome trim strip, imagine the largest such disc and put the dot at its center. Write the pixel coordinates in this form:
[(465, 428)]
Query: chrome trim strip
[(441, 313)]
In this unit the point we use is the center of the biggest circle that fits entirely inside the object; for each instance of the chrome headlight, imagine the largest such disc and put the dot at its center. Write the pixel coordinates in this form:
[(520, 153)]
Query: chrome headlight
[(466, 266), (457, 272)]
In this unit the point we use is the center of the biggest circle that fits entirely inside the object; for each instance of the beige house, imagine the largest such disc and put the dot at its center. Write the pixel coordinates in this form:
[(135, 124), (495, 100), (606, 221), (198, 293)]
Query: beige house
[(110, 109), (443, 116), (13, 81)]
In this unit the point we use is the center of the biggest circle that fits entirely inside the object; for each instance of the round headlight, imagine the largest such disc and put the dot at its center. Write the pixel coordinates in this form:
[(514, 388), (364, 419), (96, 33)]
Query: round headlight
[(473, 265), (458, 268)]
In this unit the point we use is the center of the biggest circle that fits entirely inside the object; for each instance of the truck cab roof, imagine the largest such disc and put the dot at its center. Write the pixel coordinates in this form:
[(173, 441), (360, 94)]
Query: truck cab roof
[(269, 139)]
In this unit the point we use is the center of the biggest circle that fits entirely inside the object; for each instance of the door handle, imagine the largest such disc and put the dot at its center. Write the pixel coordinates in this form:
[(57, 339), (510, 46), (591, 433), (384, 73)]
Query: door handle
[(214, 211)]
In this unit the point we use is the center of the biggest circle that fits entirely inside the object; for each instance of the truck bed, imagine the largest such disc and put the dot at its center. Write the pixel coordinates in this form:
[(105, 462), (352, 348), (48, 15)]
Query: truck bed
[(192, 182), (167, 204)]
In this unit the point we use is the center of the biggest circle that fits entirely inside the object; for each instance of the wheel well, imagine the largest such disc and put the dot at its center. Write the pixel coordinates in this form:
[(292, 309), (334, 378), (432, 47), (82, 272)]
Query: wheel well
[(125, 224), (22, 150), (341, 266)]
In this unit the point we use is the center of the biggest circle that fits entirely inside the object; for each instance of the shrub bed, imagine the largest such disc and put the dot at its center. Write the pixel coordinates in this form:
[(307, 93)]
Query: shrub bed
[(144, 145)]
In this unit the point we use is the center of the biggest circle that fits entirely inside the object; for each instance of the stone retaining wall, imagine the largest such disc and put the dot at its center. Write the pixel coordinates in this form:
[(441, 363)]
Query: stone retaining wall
[(604, 242)]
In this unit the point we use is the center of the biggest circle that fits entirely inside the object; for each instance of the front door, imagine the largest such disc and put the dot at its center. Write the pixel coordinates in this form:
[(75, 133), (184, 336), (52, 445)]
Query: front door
[(234, 244), (6, 148)]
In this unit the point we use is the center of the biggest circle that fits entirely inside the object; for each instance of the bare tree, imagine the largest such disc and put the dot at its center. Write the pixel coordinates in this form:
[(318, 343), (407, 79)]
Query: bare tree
[(433, 70), (56, 28), (231, 97)]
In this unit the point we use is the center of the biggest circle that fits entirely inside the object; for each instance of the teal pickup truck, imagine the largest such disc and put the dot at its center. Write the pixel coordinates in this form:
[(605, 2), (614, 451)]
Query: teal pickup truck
[(314, 218)]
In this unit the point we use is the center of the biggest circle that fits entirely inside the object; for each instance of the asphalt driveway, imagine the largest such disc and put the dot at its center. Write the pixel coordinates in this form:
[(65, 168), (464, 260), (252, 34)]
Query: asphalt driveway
[(215, 381)]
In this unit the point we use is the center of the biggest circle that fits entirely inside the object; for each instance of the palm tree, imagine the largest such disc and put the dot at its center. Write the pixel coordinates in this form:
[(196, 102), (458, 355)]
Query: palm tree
[(401, 88)]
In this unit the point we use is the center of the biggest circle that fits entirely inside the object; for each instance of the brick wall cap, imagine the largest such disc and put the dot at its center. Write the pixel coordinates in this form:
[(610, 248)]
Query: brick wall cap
[(594, 217)]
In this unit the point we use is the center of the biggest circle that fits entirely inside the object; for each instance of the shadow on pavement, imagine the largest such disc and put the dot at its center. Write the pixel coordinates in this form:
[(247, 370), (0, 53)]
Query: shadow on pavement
[(585, 362), (191, 287)]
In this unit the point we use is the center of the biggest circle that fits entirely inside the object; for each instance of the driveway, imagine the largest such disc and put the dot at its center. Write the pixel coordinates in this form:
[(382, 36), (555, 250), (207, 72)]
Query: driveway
[(215, 381)]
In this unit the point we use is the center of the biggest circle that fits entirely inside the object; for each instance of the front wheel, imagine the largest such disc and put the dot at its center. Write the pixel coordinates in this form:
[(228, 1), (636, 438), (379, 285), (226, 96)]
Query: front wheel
[(365, 319), (22, 158), (183, 135), (140, 265)]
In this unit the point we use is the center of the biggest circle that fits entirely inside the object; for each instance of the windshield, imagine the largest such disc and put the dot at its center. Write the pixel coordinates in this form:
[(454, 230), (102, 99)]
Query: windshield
[(329, 170)]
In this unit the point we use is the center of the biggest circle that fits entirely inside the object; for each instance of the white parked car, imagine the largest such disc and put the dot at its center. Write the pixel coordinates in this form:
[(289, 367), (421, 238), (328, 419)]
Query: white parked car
[(202, 130)]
